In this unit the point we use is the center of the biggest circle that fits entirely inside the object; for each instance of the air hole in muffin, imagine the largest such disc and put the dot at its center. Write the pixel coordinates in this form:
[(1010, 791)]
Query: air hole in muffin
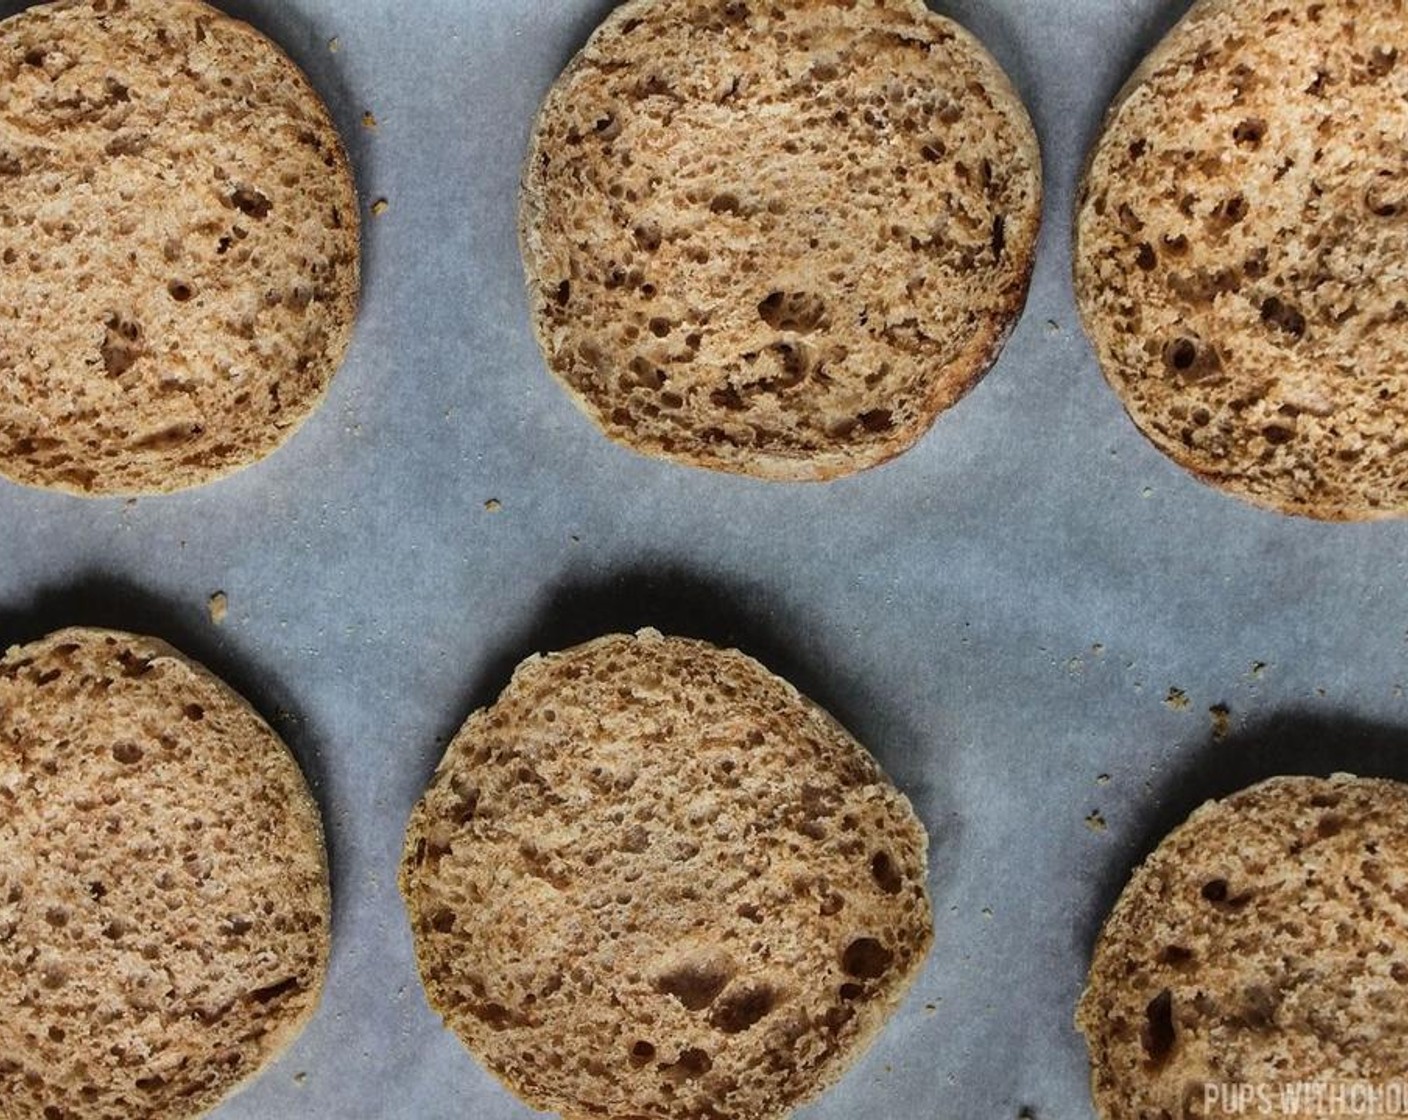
[(180, 291), (725, 204), (697, 982), (799, 312), (495, 1015), (1258, 1008), (729, 398), (737, 1011), (121, 345), (194, 712), (1276, 313), (933, 150), (249, 201), (1181, 355), (1250, 133), (1175, 956), (1232, 210), (271, 992), (1175, 246), (866, 959), (647, 374), (1382, 60), (443, 920), (1382, 204), (563, 293), (1215, 890), (650, 85), (851, 992), (129, 754), (467, 805), (1147, 259), (877, 420), (642, 1053), (693, 1063), (886, 875), (1158, 1036)]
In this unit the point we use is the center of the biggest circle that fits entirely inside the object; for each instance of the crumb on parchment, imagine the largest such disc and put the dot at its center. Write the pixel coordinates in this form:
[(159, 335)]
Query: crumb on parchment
[(1221, 716)]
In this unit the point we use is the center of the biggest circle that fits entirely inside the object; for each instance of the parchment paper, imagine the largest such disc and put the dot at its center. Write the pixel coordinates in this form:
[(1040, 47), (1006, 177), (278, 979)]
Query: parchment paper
[(1000, 615)]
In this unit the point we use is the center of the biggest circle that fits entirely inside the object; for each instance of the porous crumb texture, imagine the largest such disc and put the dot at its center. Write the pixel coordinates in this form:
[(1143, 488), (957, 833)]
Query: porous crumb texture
[(1242, 256), (778, 238), (1265, 942), (655, 881), (163, 888), (178, 246)]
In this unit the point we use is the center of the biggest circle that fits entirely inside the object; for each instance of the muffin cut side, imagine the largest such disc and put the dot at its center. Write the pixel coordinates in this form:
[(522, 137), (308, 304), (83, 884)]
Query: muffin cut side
[(1243, 252), (179, 266), (164, 901), (652, 880), (777, 239), (1265, 942)]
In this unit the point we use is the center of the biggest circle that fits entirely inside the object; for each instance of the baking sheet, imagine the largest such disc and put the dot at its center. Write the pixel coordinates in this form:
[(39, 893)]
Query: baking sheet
[(1003, 614)]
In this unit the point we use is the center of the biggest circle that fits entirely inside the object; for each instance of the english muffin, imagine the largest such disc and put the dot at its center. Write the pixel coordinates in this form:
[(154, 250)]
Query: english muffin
[(163, 886), (179, 255), (1264, 943), (655, 881), (1242, 252), (777, 239)]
